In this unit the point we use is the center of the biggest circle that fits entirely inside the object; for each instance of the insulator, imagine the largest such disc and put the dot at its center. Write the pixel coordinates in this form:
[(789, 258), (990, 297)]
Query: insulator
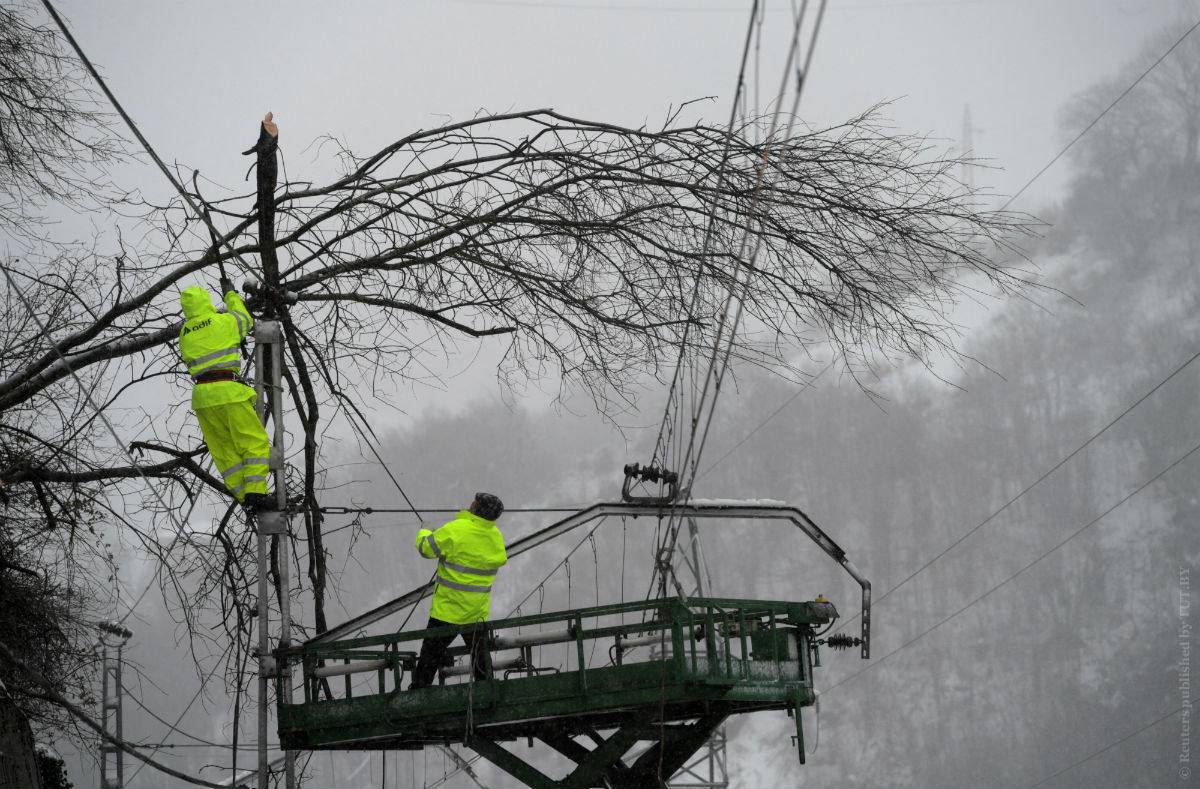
[(842, 641)]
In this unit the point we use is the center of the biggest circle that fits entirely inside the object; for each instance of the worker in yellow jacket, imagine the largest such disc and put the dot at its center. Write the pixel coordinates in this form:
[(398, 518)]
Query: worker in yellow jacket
[(210, 343), (469, 551)]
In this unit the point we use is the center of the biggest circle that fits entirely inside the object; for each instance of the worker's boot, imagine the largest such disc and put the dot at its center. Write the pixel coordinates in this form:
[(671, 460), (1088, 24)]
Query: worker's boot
[(259, 502)]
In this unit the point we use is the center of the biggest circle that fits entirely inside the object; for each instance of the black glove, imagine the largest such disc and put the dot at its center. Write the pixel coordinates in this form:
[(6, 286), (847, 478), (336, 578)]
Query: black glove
[(226, 285)]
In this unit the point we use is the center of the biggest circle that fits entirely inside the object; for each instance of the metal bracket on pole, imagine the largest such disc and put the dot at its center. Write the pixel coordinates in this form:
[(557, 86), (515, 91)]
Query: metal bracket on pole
[(268, 665), (267, 332), (271, 523)]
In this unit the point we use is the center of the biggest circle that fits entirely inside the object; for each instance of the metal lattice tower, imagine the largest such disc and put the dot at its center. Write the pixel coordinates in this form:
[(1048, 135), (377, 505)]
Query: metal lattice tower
[(112, 759), (707, 769)]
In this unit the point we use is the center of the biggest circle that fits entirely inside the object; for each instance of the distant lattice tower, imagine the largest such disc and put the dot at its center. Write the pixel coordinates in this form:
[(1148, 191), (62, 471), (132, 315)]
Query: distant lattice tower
[(112, 759), (968, 148)]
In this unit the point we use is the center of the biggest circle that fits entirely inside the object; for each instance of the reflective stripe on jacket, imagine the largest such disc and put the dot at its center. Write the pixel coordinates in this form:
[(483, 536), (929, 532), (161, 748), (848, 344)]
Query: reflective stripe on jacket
[(469, 551), (211, 341)]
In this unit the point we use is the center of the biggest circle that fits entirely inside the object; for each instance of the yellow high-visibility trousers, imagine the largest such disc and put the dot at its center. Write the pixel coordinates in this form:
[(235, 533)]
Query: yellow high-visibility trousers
[(238, 444)]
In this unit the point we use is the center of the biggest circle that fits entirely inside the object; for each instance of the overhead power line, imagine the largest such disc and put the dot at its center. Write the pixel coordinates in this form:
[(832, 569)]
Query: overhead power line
[(87, 393), (1107, 748), (187, 198), (1097, 119), (173, 727), (52, 693), (340, 510), (693, 8), (1021, 571), (1045, 475), (805, 387)]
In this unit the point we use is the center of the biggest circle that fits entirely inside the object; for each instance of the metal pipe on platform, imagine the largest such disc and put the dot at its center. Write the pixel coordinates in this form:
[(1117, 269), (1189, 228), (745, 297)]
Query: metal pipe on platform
[(361, 667), (497, 665), (642, 641), (532, 639)]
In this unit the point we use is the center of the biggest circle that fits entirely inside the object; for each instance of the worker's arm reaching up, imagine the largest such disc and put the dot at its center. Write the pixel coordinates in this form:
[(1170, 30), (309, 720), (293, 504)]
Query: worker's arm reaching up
[(237, 308), (433, 546)]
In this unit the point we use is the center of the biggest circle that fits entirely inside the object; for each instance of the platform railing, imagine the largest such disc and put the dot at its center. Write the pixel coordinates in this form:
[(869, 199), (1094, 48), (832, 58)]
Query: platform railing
[(702, 639)]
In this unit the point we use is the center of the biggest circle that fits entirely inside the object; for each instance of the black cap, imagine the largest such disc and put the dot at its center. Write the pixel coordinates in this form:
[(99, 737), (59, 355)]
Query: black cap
[(487, 506)]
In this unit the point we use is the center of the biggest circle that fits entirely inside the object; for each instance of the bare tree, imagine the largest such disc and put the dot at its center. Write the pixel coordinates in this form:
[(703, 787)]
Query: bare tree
[(586, 248), (1134, 181), (53, 135), (54, 561)]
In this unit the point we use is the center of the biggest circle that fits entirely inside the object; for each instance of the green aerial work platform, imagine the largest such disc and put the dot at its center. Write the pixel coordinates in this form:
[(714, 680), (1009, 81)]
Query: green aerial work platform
[(629, 692)]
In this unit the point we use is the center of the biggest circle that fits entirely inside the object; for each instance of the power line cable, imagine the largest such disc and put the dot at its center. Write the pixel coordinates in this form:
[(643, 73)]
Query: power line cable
[(723, 344), (154, 576), (1033, 484), (1108, 747), (1019, 572), (668, 423), (54, 695), (806, 386), (174, 727), (694, 9), (223, 746), (1097, 119), (45, 332), (339, 510), (203, 215), (1120, 416)]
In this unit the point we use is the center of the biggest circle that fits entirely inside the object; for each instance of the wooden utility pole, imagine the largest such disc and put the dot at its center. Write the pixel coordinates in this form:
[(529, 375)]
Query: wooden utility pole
[(273, 531), (267, 177)]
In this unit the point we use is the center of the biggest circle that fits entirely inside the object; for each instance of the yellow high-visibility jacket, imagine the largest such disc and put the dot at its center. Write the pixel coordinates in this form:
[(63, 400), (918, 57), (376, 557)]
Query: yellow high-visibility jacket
[(210, 340), (469, 550)]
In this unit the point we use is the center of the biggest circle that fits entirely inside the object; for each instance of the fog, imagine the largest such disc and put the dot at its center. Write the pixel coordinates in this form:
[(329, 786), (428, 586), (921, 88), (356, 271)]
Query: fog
[(1023, 655)]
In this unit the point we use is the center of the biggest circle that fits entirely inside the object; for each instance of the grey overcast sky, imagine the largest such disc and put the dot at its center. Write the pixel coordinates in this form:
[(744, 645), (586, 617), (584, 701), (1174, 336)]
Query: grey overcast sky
[(197, 75)]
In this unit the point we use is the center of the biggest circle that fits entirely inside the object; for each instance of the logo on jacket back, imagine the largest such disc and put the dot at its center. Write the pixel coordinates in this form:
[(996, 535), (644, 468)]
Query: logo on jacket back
[(201, 325)]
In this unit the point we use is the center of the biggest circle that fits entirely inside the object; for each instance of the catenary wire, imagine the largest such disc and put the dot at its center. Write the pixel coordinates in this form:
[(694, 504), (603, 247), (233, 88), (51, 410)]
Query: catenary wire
[(154, 576), (1027, 184), (174, 727), (1125, 412), (1120, 416), (807, 385), (59, 699), (1019, 572), (203, 215), (339, 510), (1097, 119), (692, 8), (1108, 747), (663, 439), (45, 332), (714, 374)]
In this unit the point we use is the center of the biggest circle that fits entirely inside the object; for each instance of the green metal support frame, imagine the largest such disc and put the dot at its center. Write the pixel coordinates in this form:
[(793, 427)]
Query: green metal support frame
[(726, 657)]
